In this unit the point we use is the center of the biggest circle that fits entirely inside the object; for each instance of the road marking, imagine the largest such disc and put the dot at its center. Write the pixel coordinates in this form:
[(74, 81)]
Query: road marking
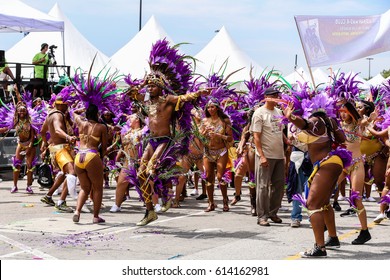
[(145, 227), (26, 249)]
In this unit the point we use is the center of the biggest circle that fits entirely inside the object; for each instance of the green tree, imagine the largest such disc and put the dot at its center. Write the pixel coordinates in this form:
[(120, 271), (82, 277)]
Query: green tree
[(385, 73)]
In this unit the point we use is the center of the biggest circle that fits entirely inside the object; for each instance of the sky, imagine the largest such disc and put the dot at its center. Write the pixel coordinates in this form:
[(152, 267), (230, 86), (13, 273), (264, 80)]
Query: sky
[(264, 29)]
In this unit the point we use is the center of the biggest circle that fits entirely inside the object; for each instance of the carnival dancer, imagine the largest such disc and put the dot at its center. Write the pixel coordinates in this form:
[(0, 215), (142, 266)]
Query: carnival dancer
[(319, 130), (385, 196), (216, 127), (107, 119), (27, 123), (374, 150), (25, 148), (88, 161), (194, 157), (61, 150), (245, 164), (352, 127), (131, 136), (166, 85)]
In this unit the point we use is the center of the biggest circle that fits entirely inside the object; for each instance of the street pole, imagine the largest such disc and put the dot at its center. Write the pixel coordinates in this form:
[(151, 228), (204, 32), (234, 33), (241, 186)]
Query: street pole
[(140, 15), (369, 66)]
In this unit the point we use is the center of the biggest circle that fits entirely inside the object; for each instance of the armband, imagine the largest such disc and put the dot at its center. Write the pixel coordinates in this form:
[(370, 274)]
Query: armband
[(186, 97), (306, 126)]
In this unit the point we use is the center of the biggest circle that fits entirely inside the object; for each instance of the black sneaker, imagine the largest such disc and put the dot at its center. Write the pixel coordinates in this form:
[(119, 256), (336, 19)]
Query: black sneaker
[(336, 206), (316, 252), (387, 213), (201, 197), (332, 242), (349, 212), (363, 237), (48, 200)]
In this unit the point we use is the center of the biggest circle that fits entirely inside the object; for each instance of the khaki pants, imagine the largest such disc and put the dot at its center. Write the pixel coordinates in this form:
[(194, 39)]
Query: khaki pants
[(269, 187)]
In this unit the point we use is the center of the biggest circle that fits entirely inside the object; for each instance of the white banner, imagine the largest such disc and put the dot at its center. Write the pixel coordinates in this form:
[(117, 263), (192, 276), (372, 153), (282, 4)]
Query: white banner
[(328, 40)]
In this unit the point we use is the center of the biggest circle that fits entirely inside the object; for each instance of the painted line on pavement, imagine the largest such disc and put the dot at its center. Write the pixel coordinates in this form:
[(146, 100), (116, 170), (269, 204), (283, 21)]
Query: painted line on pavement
[(152, 223), (26, 249)]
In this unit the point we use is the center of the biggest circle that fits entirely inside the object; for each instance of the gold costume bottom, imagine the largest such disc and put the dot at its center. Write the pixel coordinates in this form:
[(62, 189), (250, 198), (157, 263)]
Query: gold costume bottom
[(214, 155), (61, 154), (332, 159), (83, 157)]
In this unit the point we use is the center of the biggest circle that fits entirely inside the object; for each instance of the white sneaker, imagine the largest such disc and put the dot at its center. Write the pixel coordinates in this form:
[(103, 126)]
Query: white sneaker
[(341, 198), (115, 209), (371, 199), (157, 208), (379, 218), (194, 192), (85, 209), (295, 223)]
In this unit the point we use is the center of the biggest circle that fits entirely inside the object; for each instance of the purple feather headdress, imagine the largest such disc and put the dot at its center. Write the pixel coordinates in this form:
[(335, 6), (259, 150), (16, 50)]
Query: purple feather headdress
[(36, 116), (307, 102), (344, 88), (98, 91), (320, 102), (256, 88)]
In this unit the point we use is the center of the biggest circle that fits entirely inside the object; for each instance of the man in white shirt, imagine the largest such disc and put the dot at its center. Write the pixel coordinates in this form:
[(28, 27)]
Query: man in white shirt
[(269, 162)]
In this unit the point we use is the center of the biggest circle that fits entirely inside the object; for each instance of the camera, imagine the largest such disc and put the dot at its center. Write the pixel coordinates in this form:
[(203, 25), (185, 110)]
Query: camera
[(51, 54)]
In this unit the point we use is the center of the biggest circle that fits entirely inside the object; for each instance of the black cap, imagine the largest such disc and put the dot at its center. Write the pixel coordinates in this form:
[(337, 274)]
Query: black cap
[(44, 45), (271, 91)]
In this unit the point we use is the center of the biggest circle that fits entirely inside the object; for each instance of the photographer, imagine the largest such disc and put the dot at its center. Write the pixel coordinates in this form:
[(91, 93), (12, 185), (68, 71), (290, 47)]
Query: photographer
[(40, 70)]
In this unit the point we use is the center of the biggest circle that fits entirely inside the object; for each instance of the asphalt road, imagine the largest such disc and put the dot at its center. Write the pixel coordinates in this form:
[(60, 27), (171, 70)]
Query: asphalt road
[(31, 230)]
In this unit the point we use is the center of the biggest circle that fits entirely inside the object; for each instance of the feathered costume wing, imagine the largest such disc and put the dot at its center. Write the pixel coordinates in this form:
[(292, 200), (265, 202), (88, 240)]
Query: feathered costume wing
[(37, 115)]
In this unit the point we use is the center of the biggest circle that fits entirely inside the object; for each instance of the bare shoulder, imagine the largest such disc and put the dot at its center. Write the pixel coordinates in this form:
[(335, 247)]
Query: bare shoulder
[(102, 127)]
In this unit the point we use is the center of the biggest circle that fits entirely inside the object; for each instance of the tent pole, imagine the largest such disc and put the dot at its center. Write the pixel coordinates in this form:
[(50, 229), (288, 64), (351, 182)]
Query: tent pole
[(63, 46), (303, 47)]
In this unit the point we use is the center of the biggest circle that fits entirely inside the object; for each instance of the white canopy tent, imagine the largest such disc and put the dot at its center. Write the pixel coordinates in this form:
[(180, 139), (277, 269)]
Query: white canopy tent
[(298, 75), (363, 83), (75, 50), (321, 77), (133, 57), (221, 48), (376, 80), (15, 16)]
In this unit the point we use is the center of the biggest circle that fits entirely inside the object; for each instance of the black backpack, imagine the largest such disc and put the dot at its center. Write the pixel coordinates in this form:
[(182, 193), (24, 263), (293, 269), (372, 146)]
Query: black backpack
[(45, 174)]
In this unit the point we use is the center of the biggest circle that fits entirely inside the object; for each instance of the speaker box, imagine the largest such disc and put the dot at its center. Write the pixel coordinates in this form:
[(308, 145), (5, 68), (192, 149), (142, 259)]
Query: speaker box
[(2, 58)]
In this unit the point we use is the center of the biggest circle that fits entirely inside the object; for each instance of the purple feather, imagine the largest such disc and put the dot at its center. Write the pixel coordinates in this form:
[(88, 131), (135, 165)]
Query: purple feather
[(344, 154), (351, 199), (300, 199), (385, 199)]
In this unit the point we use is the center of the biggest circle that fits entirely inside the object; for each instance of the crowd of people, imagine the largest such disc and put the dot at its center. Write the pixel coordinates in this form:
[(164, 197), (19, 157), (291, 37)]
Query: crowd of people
[(161, 130)]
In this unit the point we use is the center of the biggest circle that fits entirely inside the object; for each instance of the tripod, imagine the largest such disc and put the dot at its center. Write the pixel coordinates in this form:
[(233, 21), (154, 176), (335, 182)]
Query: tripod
[(53, 63)]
